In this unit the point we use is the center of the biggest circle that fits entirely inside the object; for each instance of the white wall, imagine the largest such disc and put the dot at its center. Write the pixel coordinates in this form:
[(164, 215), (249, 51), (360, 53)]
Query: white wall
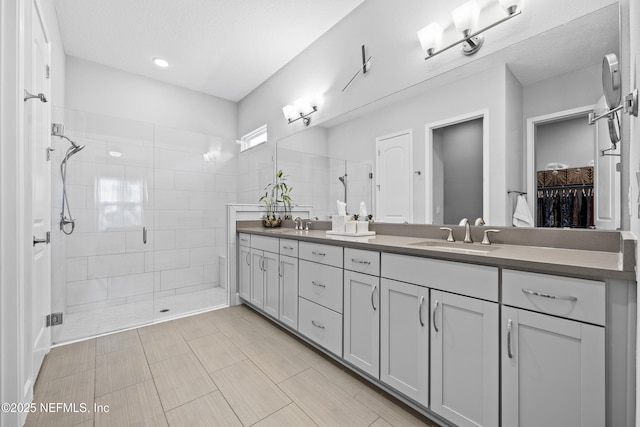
[(389, 32), (571, 142), (103, 90)]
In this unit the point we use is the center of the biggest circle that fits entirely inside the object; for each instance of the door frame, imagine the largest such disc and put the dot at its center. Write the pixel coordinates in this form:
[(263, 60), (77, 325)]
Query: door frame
[(532, 122), (14, 253), (429, 130), (377, 169)]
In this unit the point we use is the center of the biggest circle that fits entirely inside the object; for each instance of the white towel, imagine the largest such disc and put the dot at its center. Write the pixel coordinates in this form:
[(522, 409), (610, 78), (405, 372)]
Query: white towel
[(522, 216)]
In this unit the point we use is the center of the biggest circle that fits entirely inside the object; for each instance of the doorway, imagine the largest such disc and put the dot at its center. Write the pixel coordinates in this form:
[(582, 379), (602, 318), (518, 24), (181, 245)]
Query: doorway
[(456, 164), (394, 177)]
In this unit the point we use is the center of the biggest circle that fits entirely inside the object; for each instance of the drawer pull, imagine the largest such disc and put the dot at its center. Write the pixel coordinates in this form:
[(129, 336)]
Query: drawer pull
[(244, 240), (543, 295), (435, 308), (281, 269), (509, 353), (318, 253), (289, 248), (373, 291), (317, 324), (360, 261), (420, 311), (247, 259), (318, 284)]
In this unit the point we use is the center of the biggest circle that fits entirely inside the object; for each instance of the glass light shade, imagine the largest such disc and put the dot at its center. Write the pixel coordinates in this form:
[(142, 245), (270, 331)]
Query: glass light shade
[(303, 106), (465, 17), (510, 6), (289, 112), (430, 37)]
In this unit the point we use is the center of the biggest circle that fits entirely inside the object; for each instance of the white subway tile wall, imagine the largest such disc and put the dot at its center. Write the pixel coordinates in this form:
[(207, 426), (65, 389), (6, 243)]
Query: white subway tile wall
[(132, 175)]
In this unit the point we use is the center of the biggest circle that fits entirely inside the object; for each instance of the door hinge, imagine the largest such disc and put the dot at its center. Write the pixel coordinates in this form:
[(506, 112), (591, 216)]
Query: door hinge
[(54, 319), (47, 72)]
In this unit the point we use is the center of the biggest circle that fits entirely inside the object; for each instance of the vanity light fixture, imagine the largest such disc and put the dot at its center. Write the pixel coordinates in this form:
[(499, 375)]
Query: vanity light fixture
[(301, 109), (465, 18)]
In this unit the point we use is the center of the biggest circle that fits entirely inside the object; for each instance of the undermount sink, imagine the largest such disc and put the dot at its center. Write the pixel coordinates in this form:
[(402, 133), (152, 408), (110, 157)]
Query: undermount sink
[(457, 247)]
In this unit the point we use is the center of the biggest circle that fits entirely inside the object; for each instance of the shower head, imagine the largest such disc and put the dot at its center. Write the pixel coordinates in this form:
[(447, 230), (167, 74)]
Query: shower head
[(341, 179), (72, 150)]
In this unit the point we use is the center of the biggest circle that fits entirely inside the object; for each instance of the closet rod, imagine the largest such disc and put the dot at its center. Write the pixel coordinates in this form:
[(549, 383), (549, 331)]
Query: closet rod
[(565, 186)]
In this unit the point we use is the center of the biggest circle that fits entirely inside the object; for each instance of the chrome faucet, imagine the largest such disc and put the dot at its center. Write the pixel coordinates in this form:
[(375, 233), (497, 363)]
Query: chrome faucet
[(298, 223), (467, 230)]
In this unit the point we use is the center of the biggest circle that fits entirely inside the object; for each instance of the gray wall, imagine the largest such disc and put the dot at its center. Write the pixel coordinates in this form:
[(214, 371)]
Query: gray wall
[(571, 142), (461, 149)]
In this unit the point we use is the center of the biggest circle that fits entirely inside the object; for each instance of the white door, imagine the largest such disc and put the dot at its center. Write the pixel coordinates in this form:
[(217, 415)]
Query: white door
[(606, 179), (553, 371), (394, 178), (271, 284), (464, 359), (289, 291), (244, 273), (362, 321), (37, 295), (404, 338)]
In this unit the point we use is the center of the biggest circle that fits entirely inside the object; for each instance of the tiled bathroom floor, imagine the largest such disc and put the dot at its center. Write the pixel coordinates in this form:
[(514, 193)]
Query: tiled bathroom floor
[(228, 367), (103, 320)]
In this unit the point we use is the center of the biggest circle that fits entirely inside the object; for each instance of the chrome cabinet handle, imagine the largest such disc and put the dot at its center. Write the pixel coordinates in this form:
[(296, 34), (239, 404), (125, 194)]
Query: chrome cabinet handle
[(289, 248), (281, 268), (318, 253), (543, 295), (435, 308), (317, 324), (262, 264), (509, 353), (420, 311), (244, 240), (247, 259), (318, 284), (144, 235), (373, 291), (359, 261)]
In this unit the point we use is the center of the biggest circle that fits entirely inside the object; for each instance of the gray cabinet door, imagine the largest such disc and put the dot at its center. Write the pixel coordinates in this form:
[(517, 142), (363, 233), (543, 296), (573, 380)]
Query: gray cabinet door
[(257, 279), (553, 371), (464, 359), (362, 321), (289, 291), (271, 284), (244, 273), (404, 338)]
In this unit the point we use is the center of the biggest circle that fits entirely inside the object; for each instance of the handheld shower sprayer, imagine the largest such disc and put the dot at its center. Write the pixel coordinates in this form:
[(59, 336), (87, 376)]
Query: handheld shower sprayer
[(58, 130)]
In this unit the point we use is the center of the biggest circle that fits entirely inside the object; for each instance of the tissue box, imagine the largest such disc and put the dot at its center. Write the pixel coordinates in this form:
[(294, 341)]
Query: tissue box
[(350, 226), (362, 226), (337, 223)]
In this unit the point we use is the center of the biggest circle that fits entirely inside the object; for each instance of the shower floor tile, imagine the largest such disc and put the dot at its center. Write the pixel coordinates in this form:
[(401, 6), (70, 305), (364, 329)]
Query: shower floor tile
[(108, 319)]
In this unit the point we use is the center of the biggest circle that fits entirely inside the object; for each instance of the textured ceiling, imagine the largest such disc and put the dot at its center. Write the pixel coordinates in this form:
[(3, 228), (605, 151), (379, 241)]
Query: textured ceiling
[(224, 48)]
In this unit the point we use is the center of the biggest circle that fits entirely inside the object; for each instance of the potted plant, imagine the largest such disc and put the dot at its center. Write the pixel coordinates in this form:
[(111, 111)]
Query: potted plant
[(277, 201)]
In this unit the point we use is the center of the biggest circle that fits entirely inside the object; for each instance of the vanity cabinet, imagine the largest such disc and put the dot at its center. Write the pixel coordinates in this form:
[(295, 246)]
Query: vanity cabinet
[(553, 368), (464, 359), (404, 338), (362, 310)]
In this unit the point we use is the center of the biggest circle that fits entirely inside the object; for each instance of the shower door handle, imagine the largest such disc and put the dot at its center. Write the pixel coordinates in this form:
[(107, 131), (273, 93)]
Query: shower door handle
[(144, 235)]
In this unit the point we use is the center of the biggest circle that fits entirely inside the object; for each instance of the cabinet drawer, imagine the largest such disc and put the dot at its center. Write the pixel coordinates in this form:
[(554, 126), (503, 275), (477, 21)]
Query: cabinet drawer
[(321, 325), (321, 284), (367, 262), (324, 254), (244, 239), (269, 244), (476, 281), (577, 299), (289, 247)]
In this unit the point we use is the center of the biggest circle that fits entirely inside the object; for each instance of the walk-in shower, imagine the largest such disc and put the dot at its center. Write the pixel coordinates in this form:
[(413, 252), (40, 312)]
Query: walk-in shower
[(149, 240), (58, 130)]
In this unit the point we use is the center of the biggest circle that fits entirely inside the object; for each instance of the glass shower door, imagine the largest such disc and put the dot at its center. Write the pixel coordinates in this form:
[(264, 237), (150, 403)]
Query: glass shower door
[(109, 281)]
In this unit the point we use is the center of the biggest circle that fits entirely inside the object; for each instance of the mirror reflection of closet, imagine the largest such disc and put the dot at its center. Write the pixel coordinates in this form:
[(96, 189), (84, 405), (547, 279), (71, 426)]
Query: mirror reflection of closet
[(564, 158), (458, 172)]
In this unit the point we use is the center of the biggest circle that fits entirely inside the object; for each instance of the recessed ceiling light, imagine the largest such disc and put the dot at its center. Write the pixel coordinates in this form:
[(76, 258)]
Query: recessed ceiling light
[(161, 62)]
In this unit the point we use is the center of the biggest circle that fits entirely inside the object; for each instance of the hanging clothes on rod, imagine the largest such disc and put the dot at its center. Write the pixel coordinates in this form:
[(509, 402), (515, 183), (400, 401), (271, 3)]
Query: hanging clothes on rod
[(566, 207)]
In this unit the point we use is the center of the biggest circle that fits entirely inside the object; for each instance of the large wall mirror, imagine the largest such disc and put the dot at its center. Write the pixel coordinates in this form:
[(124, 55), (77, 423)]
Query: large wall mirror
[(462, 134)]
